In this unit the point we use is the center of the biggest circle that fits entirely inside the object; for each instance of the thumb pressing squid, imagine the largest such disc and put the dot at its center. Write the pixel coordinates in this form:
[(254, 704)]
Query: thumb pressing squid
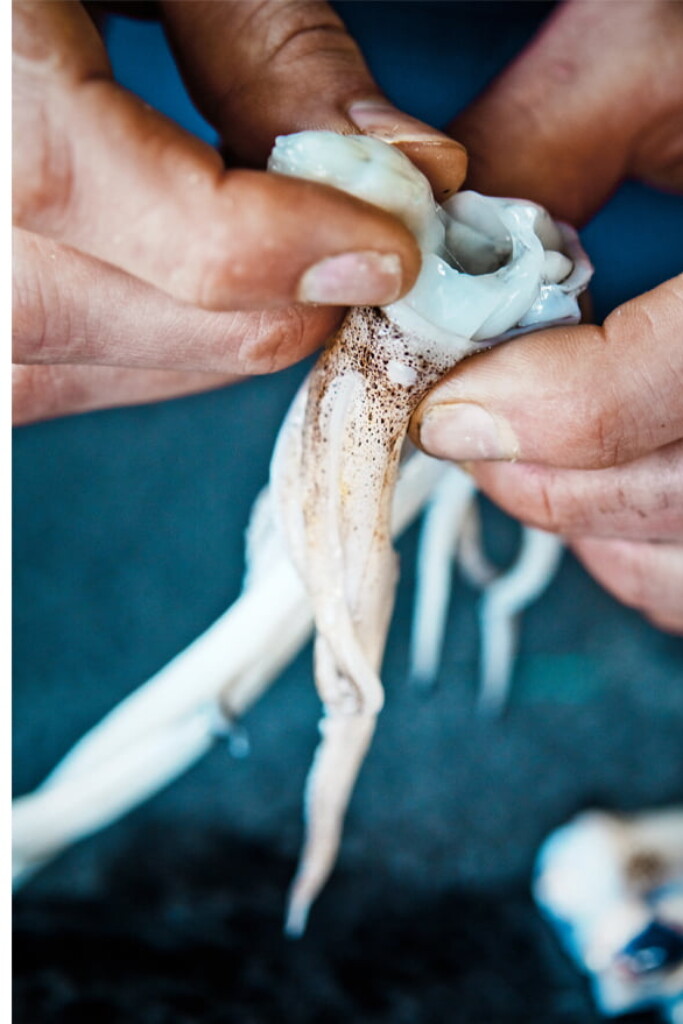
[(491, 269)]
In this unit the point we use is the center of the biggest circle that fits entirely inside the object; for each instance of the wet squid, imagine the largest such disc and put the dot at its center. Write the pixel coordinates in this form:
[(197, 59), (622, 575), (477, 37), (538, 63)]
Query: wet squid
[(319, 544), (491, 269)]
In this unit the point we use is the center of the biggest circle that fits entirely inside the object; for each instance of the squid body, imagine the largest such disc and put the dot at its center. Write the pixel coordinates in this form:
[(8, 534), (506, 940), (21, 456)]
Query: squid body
[(491, 269)]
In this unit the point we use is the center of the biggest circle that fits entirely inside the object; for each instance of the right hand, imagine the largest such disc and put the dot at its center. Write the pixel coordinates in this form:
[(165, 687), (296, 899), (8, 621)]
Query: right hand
[(579, 430)]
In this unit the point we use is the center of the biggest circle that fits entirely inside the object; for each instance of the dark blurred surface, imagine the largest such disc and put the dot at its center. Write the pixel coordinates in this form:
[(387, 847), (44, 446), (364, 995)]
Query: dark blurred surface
[(128, 542)]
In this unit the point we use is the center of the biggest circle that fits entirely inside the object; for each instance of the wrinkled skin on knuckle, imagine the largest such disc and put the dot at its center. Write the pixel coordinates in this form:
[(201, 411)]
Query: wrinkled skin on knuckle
[(28, 308), (537, 495), (55, 47), (42, 167), (279, 48), (283, 338), (40, 308), (589, 432), (649, 389), (551, 506)]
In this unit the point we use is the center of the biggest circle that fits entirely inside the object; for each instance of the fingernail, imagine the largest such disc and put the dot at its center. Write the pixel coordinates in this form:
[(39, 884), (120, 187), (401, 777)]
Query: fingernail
[(442, 159), (463, 431), (377, 117), (353, 279)]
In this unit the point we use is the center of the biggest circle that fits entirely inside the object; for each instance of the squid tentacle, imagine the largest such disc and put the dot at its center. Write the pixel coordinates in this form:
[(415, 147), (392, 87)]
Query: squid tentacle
[(338, 524)]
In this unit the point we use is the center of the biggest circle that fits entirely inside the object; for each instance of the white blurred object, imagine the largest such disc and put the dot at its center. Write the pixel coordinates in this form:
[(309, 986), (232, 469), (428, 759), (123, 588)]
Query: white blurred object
[(612, 887)]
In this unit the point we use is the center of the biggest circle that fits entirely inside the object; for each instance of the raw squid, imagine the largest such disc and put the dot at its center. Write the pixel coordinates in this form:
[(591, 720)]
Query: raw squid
[(492, 268), (612, 887)]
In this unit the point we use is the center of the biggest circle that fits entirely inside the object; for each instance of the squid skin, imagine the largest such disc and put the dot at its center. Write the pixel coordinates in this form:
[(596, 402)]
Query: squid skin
[(333, 478)]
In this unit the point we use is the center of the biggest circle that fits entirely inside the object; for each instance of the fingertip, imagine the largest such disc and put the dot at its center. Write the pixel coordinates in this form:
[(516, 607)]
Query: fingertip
[(271, 240), (441, 159)]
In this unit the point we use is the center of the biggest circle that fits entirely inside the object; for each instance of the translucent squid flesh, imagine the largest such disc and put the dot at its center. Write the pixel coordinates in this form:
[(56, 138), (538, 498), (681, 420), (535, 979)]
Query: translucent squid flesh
[(174, 718), (492, 268), (451, 532)]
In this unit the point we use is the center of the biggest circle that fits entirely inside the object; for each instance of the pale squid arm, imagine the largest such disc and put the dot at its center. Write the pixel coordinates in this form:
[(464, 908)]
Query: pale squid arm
[(440, 534), (501, 606), (172, 720), (333, 477)]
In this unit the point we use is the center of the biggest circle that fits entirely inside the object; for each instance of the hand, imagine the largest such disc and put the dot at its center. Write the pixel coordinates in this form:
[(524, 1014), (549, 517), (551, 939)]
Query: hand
[(144, 268), (580, 430)]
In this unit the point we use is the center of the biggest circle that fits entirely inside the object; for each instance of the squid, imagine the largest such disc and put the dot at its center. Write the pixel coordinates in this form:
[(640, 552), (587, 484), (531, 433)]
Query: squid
[(611, 885), (491, 269), (319, 546)]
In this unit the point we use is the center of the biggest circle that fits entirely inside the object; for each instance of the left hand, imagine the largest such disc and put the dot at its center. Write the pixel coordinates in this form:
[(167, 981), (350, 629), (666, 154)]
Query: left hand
[(579, 430), (144, 267)]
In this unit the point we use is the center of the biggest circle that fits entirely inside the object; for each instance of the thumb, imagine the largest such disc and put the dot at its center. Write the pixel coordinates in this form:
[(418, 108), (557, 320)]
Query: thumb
[(257, 70), (583, 397)]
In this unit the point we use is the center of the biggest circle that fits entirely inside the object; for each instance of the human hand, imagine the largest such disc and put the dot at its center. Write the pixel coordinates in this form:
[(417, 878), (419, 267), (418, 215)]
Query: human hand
[(144, 268), (580, 430)]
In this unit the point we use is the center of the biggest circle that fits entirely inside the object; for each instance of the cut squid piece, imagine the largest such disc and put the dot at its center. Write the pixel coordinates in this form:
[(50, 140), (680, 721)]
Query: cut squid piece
[(612, 887), (337, 456)]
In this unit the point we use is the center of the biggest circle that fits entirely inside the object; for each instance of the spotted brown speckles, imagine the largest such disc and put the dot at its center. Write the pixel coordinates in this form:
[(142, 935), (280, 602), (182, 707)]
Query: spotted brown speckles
[(340, 460)]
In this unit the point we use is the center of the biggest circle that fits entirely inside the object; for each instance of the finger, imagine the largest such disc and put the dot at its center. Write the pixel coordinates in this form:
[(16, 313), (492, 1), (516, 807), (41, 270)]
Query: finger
[(579, 397), (43, 392), (71, 308), (257, 70), (648, 577), (641, 500), (99, 170), (594, 98)]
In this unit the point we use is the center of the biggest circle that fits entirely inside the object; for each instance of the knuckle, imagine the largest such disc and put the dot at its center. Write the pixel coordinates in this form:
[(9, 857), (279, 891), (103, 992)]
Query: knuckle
[(550, 504), (41, 320), (275, 342), (601, 425), (29, 310), (275, 45), (42, 175), (610, 449), (549, 514), (222, 265), (301, 28)]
